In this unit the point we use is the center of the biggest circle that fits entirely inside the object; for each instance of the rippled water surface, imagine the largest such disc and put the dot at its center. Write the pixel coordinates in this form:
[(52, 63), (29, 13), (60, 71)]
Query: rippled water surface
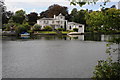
[(52, 56)]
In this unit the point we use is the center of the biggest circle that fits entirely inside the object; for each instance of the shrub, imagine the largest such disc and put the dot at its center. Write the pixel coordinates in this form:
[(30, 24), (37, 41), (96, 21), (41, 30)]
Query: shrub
[(36, 27), (48, 28), (27, 26), (8, 26), (60, 29), (107, 69), (75, 29), (20, 29)]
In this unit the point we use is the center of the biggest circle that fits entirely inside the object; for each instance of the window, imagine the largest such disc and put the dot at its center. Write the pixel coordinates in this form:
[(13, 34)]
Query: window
[(70, 27), (44, 21), (80, 26)]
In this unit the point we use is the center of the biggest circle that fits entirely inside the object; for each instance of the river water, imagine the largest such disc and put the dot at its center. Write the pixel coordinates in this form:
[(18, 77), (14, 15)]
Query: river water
[(53, 56)]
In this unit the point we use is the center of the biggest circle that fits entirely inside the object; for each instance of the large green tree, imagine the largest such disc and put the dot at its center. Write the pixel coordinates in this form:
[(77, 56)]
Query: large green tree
[(55, 10), (19, 16), (112, 19), (78, 16), (32, 18)]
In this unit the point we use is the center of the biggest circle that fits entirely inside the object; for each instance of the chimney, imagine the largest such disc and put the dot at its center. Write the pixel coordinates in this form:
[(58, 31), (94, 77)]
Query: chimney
[(54, 16)]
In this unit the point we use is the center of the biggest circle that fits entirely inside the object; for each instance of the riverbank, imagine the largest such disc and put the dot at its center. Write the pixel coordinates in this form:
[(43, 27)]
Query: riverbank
[(8, 33)]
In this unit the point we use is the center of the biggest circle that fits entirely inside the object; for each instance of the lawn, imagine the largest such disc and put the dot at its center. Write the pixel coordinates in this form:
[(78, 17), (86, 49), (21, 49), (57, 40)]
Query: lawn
[(52, 32)]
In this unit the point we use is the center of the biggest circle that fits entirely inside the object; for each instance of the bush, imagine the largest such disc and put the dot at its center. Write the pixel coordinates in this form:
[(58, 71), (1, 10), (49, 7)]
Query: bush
[(27, 26), (107, 69), (48, 28), (36, 27), (20, 29), (7, 27), (60, 29), (75, 29)]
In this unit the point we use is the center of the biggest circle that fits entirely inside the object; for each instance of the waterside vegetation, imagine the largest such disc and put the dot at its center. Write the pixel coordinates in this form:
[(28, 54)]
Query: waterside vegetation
[(105, 21)]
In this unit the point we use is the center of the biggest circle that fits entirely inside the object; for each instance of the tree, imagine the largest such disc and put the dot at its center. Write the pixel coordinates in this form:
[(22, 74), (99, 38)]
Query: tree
[(19, 16), (83, 2), (32, 18), (95, 19), (73, 14), (112, 19), (55, 10), (78, 16), (6, 16)]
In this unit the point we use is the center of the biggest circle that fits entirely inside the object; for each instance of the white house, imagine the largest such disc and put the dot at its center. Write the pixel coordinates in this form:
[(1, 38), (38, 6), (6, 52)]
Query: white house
[(60, 22), (72, 25), (56, 22)]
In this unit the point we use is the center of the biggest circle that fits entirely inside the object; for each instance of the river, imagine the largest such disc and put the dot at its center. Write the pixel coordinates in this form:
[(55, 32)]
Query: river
[(53, 56)]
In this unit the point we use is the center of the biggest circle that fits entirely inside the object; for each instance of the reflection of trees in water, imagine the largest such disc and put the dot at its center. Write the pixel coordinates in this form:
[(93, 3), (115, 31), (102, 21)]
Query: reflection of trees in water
[(92, 37), (99, 37)]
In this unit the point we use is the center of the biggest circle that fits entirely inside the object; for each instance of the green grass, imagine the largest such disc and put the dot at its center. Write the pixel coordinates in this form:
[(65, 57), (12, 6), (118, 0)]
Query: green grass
[(52, 32)]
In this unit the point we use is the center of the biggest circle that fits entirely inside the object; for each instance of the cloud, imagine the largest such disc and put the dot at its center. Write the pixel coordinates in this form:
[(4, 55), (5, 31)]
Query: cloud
[(42, 5)]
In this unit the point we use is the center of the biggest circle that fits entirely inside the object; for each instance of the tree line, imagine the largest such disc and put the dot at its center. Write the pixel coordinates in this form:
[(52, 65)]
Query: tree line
[(106, 20)]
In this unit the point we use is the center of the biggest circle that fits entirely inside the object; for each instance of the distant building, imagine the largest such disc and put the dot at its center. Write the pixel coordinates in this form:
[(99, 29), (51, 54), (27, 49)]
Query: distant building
[(60, 22)]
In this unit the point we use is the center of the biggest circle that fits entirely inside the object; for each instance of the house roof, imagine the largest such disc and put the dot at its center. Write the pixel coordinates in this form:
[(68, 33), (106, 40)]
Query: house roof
[(73, 23), (47, 19)]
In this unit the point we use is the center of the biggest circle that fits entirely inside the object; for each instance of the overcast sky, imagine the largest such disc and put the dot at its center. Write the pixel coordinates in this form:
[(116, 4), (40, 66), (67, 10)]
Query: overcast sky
[(42, 5)]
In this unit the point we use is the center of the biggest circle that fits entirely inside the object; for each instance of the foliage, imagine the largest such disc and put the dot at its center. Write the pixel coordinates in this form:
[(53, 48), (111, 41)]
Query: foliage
[(108, 69), (8, 27), (48, 28), (19, 16), (27, 26), (60, 29), (6, 16), (83, 2), (36, 27), (95, 19), (78, 16), (107, 20), (55, 10), (32, 18), (20, 29), (112, 19), (75, 29)]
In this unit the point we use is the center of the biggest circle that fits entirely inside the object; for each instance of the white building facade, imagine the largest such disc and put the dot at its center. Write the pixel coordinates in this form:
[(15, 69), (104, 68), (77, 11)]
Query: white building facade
[(60, 22)]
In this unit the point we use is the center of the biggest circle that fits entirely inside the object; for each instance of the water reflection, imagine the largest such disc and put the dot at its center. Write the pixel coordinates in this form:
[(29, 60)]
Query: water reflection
[(87, 37)]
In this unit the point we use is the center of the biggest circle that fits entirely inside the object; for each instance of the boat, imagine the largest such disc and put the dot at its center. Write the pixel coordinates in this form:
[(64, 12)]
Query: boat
[(25, 34)]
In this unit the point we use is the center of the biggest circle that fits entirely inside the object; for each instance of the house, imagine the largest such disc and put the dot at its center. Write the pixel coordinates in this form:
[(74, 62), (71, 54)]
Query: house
[(56, 22), (72, 25), (60, 22)]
